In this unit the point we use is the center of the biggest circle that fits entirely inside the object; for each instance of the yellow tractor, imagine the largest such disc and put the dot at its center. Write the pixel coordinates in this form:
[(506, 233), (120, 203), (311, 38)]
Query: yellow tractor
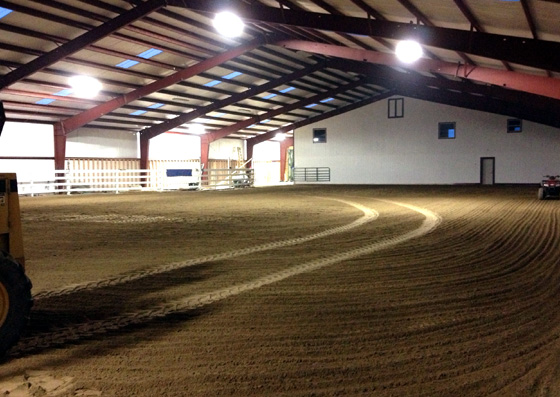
[(15, 287)]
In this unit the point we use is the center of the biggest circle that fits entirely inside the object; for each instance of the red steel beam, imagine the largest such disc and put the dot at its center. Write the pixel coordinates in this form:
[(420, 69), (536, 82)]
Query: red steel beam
[(89, 115), (80, 42), (540, 85), (536, 53), (186, 117)]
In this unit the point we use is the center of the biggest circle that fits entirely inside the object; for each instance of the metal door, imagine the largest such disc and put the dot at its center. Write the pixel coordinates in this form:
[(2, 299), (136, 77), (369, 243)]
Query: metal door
[(487, 172)]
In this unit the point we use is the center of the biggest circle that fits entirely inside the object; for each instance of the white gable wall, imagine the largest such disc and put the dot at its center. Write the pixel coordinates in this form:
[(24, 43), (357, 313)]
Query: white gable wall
[(97, 143), (366, 147)]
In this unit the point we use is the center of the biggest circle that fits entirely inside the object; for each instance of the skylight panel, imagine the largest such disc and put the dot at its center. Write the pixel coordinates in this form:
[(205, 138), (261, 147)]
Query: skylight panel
[(44, 101), (287, 90), (155, 106), (227, 76), (212, 83), (269, 96), (327, 100), (4, 12), (64, 92), (310, 106), (150, 53), (127, 64), (232, 75), (138, 112)]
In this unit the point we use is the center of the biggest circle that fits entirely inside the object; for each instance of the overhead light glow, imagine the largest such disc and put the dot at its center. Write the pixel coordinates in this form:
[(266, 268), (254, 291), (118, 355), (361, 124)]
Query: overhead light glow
[(280, 136), (228, 24), (85, 86), (197, 129), (408, 51)]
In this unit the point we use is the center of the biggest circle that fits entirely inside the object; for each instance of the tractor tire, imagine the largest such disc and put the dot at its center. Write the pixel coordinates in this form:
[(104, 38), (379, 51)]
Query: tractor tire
[(541, 193), (15, 301)]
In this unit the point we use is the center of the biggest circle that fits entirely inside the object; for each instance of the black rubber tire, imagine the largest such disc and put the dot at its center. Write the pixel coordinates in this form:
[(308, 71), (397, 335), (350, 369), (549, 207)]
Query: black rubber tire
[(15, 301), (541, 193)]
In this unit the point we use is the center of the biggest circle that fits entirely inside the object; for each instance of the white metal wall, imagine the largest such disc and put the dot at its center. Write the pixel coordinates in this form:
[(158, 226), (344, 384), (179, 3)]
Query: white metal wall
[(27, 143), (366, 147), (88, 143)]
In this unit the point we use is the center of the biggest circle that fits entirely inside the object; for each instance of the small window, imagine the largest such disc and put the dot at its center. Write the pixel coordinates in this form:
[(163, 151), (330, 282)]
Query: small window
[(514, 126), (395, 108), (447, 130), (319, 135)]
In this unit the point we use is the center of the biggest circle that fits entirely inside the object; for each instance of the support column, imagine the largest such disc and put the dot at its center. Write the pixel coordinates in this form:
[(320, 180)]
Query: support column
[(59, 147), (204, 152), (250, 146), (284, 145), (144, 158)]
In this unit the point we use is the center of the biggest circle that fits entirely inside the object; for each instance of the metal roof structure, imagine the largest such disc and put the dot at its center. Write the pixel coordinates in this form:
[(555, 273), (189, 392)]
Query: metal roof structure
[(163, 66)]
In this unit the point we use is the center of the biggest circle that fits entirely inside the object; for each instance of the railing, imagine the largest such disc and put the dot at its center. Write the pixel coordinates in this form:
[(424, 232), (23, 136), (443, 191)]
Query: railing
[(224, 178), (82, 181), (312, 174), (116, 181)]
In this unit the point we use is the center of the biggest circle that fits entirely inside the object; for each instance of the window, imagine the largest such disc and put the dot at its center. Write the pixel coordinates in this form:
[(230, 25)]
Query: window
[(396, 108), (319, 135), (446, 130), (514, 125)]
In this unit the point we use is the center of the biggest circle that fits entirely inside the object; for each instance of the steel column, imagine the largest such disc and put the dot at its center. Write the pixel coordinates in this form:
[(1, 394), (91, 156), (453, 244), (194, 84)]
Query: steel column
[(284, 145)]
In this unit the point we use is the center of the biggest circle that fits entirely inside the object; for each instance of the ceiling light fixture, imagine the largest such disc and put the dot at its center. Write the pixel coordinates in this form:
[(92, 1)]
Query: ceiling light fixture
[(85, 86), (228, 24), (196, 129), (408, 51)]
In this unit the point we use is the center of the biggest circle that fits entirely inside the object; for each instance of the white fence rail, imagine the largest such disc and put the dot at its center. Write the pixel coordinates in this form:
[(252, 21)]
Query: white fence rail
[(116, 181), (224, 178), (82, 181)]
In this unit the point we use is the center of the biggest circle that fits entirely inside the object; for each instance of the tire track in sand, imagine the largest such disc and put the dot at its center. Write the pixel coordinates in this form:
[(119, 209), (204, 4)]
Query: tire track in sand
[(369, 215), (80, 331)]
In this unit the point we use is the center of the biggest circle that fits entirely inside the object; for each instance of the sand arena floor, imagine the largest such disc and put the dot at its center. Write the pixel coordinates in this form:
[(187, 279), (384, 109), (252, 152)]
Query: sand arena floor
[(292, 291)]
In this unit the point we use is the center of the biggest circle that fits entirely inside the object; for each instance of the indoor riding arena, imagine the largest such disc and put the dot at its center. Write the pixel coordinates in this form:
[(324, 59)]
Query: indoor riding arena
[(298, 290)]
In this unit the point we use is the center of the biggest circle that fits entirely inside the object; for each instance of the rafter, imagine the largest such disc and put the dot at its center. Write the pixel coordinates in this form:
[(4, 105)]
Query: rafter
[(536, 53), (81, 119), (215, 135), (186, 117), (539, 85), (80, 42), (474, 96), (314, 119)]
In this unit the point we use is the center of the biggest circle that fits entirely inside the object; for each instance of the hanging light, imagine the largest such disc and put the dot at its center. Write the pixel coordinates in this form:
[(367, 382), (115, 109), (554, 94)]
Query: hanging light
[(280, 137), (196, 129), (408, 51), (228, 24), (85, 86)]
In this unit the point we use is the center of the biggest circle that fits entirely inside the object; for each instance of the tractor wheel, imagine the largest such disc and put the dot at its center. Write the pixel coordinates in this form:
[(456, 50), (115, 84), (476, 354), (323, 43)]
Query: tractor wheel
[(541, 193), (15, 301)]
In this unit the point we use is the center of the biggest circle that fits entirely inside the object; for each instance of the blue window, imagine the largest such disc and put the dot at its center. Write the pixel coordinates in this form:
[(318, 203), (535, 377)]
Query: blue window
[(446, 130)]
